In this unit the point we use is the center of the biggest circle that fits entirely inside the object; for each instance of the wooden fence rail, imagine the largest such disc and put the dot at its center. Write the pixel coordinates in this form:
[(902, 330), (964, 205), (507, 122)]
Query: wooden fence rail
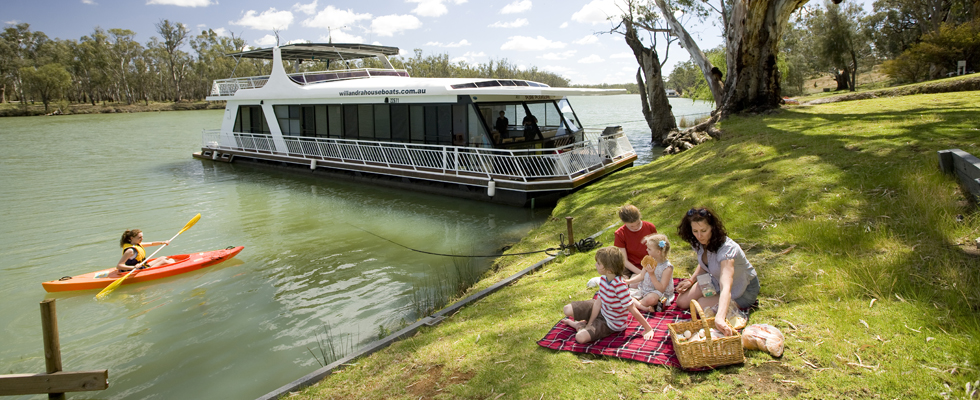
[(965, 166), (54, 382)]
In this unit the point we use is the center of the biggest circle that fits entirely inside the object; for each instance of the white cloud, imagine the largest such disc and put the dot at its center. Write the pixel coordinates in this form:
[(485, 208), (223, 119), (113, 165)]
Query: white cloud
[(267, 20), (429, 8), (12, 22), (460, 43), (588, 39), (339, 36), (308, 9), (524, 43), (591, 59), (90, 2), (558, 56), (298, 41), (563, 25), (518, 6), (265, 41), (404, 53), (181, 3), (334, 18), (516, 24), (624, 54), (389, 25), (468, 58), (560, 70), (220, 31), (598, 11)]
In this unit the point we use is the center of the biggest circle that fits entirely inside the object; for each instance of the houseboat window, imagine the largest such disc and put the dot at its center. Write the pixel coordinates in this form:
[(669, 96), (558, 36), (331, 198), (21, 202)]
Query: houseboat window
[(417, 123), (320, 112), (459, 125), (365, 121), (570, 118), (431, 125), (551, 115), (335, 119), (382, 122), (445, 125), (350, 121), (283, 118), (399, 123), (477, 132), (251, 120)]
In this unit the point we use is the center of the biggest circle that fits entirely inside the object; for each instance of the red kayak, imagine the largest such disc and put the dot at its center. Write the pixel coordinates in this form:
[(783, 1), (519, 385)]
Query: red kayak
[(101, 279)]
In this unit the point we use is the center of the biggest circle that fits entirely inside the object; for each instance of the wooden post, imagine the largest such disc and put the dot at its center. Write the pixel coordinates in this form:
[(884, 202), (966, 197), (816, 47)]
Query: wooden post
[(52, 345), (571, 234)]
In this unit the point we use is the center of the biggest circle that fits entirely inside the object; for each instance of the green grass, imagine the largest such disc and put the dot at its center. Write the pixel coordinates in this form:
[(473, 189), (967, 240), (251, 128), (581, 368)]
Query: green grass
[(844, 213)]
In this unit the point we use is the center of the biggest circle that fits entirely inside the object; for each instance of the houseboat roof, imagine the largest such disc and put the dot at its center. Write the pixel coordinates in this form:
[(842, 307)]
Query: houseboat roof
[(320, 51)]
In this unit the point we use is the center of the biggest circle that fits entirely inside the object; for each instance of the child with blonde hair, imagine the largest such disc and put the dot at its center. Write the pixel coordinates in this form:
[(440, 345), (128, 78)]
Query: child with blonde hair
[(656, 281), (607, 314)]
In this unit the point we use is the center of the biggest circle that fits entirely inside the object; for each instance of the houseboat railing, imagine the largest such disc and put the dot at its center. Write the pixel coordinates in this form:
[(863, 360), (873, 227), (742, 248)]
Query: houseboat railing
[(228, 87), (562, 163)]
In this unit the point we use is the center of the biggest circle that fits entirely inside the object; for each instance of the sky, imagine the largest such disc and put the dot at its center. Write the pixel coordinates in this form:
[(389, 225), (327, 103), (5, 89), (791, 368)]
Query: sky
[(567, 37)]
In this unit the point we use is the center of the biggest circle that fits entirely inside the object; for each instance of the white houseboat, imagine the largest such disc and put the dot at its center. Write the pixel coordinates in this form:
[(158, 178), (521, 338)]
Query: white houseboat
[(437, 135)]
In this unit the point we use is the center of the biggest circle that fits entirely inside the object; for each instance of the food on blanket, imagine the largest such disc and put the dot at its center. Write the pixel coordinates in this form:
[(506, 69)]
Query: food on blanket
[(763, 337), (736, 318), (648, 262)]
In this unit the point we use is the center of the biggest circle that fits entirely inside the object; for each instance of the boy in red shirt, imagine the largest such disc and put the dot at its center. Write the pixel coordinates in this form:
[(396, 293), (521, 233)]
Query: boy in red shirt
[(629, 237)]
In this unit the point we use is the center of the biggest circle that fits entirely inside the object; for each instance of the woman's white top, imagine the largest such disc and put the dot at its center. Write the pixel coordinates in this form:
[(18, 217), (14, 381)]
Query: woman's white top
[(744, 272)]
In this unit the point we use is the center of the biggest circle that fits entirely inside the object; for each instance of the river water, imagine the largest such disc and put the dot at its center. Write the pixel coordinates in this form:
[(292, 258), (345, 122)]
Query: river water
[(70, 186)]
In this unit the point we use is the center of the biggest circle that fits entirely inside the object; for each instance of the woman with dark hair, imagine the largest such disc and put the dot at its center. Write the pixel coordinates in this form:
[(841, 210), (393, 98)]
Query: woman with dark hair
[(732, 276), (133, 252)]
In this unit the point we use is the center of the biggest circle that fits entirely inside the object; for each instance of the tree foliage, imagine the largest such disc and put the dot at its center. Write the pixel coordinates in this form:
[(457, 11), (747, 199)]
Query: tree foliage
[(937, 53), (48, 82), (110, 65)]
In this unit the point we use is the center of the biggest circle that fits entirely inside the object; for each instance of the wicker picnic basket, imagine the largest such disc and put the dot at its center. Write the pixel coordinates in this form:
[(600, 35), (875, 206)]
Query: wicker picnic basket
[(704, 353)]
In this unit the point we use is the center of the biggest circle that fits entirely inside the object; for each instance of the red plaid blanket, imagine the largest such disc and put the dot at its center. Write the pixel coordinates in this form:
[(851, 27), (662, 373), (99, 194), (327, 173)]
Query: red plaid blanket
[(629, 344)]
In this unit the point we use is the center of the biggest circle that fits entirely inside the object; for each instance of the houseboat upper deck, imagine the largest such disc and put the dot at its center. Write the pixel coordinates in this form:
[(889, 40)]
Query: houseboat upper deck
[(504, 140)]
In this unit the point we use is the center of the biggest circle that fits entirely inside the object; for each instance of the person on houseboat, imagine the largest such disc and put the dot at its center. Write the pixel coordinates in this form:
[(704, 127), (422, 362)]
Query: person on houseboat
[(501, 125), (733, 279), (531, 129), (134, 253)]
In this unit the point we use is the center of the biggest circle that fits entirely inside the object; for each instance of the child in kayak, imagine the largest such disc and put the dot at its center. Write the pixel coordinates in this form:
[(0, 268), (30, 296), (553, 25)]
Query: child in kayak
[(133, 252)]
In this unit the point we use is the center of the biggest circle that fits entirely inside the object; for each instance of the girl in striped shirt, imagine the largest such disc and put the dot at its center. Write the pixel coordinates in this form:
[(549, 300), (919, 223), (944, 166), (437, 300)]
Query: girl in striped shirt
[(609, 312)]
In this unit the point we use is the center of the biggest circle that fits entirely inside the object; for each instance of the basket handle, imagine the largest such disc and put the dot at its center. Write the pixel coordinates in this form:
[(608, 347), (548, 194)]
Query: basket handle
[(695, 306)]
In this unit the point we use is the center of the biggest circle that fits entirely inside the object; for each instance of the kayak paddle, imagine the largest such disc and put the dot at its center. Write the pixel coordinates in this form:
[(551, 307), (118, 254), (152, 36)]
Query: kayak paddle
[(112, 286)]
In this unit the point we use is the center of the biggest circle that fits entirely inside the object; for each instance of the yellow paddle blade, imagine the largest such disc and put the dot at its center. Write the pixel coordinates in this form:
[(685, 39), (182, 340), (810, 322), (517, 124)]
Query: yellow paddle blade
[(112, 286), (190, 223)]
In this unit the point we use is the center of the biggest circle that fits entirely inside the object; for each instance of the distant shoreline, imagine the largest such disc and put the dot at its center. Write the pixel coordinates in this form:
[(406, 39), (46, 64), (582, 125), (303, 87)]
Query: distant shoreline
[(37, 109)]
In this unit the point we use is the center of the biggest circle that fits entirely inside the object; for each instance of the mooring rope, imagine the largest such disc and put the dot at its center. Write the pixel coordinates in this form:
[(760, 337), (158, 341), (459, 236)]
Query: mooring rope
[(586, 244)]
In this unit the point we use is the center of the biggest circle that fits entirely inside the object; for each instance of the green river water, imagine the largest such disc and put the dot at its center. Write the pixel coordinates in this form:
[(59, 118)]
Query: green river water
[(70, 185)]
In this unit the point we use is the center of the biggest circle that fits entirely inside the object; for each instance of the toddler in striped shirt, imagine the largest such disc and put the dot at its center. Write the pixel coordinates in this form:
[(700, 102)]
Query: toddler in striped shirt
[(607, 314)]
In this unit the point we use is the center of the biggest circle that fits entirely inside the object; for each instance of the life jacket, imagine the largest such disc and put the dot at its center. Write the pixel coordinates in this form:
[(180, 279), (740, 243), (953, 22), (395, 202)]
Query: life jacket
[(140, 254)]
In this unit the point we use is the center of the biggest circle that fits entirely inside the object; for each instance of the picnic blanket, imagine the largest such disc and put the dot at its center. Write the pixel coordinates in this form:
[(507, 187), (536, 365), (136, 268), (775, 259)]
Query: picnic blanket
[(629, 344)]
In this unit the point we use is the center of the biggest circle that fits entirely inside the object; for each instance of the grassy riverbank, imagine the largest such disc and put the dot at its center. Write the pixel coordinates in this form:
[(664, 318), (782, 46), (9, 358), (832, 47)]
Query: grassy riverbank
[(864, 248)]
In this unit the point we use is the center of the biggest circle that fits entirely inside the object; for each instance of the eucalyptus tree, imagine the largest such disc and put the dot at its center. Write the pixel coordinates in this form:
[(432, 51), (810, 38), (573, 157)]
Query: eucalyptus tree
[(48, 82), (124, 51), (21, 48), (839, 42), (173, 36), (655, 105)]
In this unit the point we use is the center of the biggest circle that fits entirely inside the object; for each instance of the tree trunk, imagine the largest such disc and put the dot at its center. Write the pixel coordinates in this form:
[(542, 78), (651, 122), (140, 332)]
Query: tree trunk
[(717, 90), (854, 70), (653, 94), (753, 42), (842, 77)]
